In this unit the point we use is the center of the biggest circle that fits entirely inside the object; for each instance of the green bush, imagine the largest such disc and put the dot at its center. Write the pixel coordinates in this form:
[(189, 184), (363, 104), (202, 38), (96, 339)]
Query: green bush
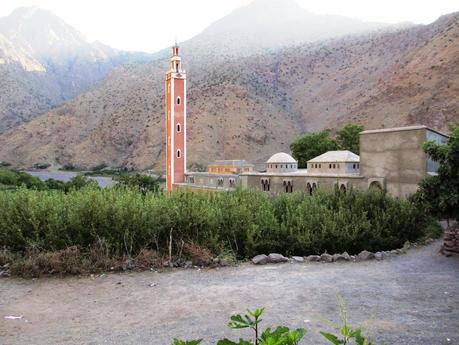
[(243, 222), (10, 177)]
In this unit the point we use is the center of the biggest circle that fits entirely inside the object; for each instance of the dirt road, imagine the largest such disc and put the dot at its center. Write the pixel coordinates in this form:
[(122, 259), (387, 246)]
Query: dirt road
[(411, 299)]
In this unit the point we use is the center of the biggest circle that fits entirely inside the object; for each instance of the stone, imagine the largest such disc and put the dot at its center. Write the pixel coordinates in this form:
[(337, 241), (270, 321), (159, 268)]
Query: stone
[(326, 257), (341, 257), (298, 258), (276, 258), (394, 252), (313, 258), (365, 255), (188, 264), (406, 245), (261, 259), (378, 256)]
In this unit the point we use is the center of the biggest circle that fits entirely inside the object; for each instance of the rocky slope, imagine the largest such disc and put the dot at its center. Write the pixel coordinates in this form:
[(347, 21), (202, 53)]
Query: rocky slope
[(44, 61), (251, 107)]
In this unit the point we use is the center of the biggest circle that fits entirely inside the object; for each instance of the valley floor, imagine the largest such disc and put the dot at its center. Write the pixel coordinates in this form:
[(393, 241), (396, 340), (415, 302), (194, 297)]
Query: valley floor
[(411, 299)]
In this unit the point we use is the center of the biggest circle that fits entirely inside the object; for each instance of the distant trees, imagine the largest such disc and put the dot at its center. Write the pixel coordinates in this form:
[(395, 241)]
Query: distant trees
[(348, 138), (143, 183), (314, 144), (439, 195)]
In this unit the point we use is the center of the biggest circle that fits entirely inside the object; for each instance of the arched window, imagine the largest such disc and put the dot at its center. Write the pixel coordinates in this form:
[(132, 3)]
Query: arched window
[(179, 153), (178, 100), (309, 188), (342, 188), (179, 128), (376, 186)]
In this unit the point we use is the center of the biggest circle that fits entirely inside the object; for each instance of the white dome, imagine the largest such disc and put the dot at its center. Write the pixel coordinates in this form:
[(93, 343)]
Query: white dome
[(281, 157)]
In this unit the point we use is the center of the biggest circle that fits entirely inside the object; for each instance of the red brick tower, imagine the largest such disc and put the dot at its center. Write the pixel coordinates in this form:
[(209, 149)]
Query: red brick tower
[(175, 121)]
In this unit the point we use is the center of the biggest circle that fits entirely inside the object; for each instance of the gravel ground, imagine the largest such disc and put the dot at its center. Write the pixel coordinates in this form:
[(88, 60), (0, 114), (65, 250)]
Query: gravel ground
[(408, 299)]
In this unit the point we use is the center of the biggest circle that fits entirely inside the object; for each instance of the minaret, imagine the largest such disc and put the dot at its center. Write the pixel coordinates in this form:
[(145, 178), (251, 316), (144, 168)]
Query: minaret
[(175, 121)]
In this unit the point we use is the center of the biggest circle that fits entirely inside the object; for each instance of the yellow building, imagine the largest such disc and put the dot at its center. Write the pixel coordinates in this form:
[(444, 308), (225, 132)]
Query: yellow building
[(229, 167)]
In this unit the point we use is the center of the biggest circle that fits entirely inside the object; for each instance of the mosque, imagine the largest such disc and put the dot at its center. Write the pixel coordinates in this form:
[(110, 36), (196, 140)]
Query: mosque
[(391, 159)]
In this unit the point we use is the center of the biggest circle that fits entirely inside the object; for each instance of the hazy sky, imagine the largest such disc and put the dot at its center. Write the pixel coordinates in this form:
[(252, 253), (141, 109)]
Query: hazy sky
[(149, 25)]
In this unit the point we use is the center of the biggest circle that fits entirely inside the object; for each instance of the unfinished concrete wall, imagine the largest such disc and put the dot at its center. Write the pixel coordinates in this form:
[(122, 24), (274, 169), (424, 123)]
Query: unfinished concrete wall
[(396, 156)]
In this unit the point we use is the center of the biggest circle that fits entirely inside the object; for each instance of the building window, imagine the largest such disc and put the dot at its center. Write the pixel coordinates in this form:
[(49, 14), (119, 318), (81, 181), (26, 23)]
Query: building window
[(320, 166), (309, 188), (329, 166), (288, 186), (179, 153), (178, 100), (265, 185), (354, 166), (232, 183), (220, 182), (334, 166), (276, 166), (179, 129)]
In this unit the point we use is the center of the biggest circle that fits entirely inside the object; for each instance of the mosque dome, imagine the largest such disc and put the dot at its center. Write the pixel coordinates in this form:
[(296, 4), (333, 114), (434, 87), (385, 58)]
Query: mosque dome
[(281, 163), (281, 157)]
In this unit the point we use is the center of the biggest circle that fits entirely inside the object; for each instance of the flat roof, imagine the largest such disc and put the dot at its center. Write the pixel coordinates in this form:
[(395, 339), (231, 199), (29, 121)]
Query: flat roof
[(207, 174), (232, 162), (399, 129), (299, 173)]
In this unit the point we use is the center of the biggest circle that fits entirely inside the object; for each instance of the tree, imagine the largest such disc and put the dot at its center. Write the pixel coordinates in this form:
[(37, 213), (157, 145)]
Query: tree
[(144, 183), (439, 195), (348, 138), (312, 145)]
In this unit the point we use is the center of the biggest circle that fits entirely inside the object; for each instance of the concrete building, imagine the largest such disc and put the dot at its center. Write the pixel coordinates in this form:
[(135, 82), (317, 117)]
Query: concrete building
[(391, 160), (230, 167)]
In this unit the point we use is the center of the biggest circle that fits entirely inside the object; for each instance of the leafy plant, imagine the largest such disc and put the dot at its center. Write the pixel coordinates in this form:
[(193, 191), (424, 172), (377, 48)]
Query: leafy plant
[(439, 195), (280, 336), (347, 335), (348, 137), (312, 145)]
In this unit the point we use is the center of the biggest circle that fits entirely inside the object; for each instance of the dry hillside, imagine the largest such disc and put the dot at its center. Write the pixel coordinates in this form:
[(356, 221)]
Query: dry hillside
[(254, 106)]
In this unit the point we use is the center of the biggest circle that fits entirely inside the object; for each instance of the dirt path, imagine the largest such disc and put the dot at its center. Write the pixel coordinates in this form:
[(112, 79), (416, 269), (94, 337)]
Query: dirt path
[(409, 299)]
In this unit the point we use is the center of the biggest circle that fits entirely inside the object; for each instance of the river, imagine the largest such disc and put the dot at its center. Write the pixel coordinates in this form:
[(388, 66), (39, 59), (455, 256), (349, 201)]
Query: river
[(66, 176)]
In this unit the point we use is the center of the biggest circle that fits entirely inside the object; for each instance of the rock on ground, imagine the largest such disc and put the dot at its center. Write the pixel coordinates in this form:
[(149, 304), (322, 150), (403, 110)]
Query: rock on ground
[(261, 259), (276, 258)]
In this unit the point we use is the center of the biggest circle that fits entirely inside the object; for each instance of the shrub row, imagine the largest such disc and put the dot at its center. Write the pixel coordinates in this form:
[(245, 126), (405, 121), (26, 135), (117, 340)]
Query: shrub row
[(243, 222)]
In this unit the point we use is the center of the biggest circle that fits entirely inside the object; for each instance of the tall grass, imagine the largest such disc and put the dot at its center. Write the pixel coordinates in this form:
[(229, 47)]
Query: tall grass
[(244, 222)]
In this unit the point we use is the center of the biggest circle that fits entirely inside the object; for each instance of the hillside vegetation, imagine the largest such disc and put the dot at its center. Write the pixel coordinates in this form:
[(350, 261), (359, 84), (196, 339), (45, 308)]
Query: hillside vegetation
[(251, 107)]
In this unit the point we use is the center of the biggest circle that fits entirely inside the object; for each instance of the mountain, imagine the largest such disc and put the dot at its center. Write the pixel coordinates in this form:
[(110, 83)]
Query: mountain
[(249, 105), (267, 25), (44, 61)]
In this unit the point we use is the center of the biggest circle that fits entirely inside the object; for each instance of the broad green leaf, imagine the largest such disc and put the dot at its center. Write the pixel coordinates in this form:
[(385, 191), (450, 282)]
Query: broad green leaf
[(331, 338)]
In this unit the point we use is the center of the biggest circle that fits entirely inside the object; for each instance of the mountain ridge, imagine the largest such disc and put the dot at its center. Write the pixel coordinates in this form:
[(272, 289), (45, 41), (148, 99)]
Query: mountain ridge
[(42, 54), (252, 107)]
